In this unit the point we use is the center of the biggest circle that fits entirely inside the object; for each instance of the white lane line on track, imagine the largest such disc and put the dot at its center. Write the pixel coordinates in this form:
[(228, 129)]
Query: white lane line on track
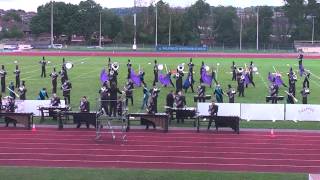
[(168, 141), (78, 137), (159, 156), (163, 151), (171, 146), (161, 163)]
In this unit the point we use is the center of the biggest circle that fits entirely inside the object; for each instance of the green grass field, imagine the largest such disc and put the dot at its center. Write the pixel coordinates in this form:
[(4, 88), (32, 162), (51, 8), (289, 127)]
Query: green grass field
[(130, 174), (85, 76)]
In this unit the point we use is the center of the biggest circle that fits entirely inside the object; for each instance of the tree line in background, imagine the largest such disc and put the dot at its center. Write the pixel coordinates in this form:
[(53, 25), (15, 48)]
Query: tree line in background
[(198, 24)]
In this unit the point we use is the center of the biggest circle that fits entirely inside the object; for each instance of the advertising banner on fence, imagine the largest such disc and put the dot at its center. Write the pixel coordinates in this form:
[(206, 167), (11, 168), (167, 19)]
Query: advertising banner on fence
[(262, 111), (225, 109), (302, 112), (182, 48), (32, 106)]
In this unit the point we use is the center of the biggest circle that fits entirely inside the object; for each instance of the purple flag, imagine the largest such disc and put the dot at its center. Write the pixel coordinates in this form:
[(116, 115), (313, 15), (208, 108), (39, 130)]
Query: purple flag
[(164, 79), (246, 79), (278, 81), (301, 69), (103, 76), (270, 77), (135, 78), (206, 78)]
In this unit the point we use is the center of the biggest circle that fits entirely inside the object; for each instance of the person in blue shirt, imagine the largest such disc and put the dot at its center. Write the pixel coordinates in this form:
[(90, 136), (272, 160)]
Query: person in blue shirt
[(218, 93), (43, 94)]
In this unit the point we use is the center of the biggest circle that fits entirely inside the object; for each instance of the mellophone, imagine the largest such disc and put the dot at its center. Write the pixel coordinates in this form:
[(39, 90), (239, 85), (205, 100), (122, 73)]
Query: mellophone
[(222, 121), (22, 118), (89, 117), (158, 119), (197, 98), (269, 98)]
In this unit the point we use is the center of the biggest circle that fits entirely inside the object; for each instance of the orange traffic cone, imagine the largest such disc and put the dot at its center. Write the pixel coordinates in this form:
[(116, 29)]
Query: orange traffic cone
[(34, 128), (272, 133)]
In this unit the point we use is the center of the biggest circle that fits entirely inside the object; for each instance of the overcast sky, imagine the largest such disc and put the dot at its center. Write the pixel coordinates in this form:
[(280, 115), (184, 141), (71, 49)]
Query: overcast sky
[(31, 5)]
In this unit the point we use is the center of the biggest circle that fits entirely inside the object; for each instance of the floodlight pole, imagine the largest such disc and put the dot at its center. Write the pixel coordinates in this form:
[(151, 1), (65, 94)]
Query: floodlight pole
[(51, 38), (135, 24), (100, 31), (170, 30), (156, 41), (240, 45), (312, 38), (258, 29)]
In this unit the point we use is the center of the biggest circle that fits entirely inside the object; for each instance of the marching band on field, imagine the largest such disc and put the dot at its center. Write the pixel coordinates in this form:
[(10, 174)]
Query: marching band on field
[(109, 90)]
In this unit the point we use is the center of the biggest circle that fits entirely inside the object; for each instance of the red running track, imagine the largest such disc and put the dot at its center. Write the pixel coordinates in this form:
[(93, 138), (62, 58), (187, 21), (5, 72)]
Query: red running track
[(249, 151), (161, 54)]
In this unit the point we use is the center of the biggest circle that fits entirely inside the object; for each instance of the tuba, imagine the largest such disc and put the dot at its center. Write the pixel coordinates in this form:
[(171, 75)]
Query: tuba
[(160, 67), (180, 67), (240, 69), (69, 65), (115, 66)]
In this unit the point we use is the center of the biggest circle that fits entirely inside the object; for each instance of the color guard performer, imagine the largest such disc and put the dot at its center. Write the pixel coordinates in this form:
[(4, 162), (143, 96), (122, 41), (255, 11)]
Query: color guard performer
[(3, 74), (219, 93), (231, 94), (22, 91), (180, 104), (168, 76), (146, 95), (66, 89), (43, 63), (11, 88), (304, 93), (213, 111), (54, 76), (17, 75), (141, 76), (43, 94), (202, 93), (155, 73), (10, 107), (84, 108)]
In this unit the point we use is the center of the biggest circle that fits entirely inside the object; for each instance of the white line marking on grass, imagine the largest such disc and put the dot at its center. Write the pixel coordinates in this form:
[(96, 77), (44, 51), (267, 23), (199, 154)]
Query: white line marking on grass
[(315, 75), (264, 82)]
